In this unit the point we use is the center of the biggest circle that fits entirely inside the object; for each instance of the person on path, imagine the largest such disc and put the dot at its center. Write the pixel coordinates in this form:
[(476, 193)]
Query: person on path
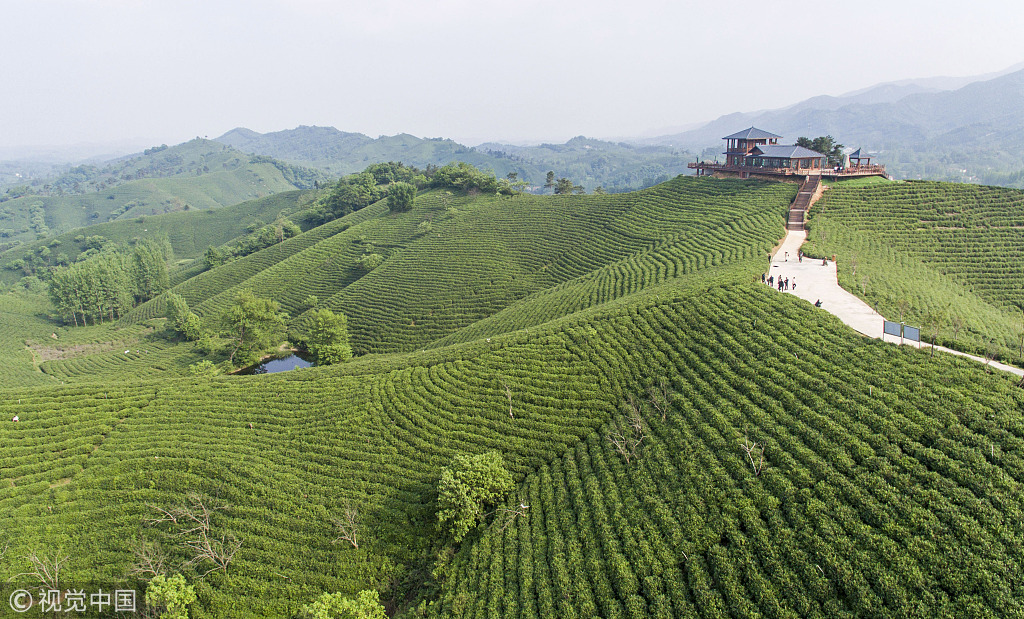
[(824, 262), (787, 256), (771, 280), (794, 282), (817, 303), (763, 278), (781, 284)]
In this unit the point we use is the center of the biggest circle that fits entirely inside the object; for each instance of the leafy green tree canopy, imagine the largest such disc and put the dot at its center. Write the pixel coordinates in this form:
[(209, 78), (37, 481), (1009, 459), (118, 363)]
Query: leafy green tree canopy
[(565, 186), (826, 145), (328, 338), (253, 324), (366, 605), (182, 319), (463, 176), (177, 307), (370, 261), (170, 596), (401, 197), (468, 487)]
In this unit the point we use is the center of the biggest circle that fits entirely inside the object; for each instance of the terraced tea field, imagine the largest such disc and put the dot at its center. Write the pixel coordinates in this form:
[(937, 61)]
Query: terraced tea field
[(189, 233), (883, 482), (22, 318), (947, 250), (876, 500), (571, 252), (853, 429)]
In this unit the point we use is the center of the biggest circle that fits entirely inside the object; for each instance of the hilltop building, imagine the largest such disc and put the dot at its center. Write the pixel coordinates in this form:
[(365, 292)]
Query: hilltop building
[(755, 153)]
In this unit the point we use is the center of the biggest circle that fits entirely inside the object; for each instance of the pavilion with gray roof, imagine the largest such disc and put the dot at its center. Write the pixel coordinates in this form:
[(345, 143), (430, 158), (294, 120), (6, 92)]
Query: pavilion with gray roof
[(758, 152)]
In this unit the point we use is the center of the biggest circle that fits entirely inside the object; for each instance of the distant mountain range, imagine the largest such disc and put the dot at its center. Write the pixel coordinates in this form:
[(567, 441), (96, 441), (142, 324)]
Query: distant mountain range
[(589, 162), (972, 133), (944, 128)]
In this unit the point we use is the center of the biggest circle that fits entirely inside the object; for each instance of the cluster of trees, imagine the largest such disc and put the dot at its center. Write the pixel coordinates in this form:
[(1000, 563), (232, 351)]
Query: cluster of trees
[(301, 177), (260, 237), (365, 605), (357, 191), (252, 325), (37, 220), (182, 319), (826, 145), (564, 186), (398, 183), (108, 284)]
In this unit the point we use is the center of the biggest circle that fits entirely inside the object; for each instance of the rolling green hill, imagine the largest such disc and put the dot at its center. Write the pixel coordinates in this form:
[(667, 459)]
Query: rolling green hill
[(196, 175), (951, 252), (188, 232), (781, 464), (486, 259)]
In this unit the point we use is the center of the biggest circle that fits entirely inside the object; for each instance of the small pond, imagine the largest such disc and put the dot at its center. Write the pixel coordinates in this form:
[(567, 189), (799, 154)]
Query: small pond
[(280, 364)]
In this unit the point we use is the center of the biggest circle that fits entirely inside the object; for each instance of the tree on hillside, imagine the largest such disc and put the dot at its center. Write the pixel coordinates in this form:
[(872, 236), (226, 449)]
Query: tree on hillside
[(170, 596), (328, 338), (401, 197), (150, 270), (253, 324), (512, 185), (468, 487), (565, 186), (182, 319), (214, 257), (366, 605), (549, 181), (103, 286), (463, 177), (826, 145)]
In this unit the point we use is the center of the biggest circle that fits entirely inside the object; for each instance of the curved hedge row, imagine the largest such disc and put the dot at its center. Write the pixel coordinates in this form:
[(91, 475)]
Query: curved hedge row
[(947, 249), (898, 476), (893, 484)]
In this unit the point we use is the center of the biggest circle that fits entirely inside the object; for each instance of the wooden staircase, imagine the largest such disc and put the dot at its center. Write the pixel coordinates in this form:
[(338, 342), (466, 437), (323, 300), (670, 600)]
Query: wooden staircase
[(802, 203)]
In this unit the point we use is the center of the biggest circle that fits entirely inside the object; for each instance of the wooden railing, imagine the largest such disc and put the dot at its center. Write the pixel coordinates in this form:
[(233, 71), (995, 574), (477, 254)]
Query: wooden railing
[(864, 170)]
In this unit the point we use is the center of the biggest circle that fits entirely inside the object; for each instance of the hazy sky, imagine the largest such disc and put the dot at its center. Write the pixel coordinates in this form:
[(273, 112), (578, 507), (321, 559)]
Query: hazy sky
[(472, 70)]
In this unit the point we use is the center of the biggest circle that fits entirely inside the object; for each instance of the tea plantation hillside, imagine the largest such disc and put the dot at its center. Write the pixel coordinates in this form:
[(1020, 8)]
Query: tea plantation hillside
[(513, 262), (200, 174), (952, 254), (880, 483), (856, 432), (683, 440), (22, 318), (484, 254), (190, 233)]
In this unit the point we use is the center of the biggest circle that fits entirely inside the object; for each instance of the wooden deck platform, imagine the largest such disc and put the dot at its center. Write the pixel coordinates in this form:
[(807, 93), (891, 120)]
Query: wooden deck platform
[(709, 168)]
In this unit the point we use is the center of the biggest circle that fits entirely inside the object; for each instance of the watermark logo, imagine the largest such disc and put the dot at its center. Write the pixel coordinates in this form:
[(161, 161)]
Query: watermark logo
[(21, 601), (74, 601)]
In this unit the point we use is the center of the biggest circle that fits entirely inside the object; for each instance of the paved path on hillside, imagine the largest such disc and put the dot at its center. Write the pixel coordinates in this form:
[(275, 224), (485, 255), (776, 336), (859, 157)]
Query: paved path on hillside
[(816, 282)]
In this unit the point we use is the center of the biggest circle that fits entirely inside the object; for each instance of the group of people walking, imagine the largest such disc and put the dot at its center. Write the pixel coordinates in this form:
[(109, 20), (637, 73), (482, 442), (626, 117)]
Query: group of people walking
[(783, 284)]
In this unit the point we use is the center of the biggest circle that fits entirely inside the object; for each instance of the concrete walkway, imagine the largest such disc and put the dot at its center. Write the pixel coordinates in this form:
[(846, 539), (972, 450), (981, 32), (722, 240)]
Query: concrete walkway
[(812, 281)]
